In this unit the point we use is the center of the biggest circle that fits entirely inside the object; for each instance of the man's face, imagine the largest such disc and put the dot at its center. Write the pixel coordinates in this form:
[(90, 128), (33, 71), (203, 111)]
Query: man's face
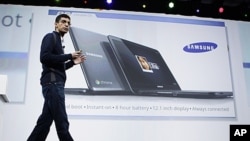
[(63, 25)]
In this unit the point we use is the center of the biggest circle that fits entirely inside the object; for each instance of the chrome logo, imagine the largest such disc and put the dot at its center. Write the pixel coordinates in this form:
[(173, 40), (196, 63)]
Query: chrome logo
[(200, 47), (97, 82)]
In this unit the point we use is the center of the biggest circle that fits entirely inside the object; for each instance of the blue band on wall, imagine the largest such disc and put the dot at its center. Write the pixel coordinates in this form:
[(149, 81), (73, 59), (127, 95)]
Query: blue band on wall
[(18, 55), (246, 65)]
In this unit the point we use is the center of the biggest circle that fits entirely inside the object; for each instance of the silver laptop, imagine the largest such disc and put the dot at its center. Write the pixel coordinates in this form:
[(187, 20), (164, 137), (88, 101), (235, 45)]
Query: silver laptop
[(100, 70), (147, 73)]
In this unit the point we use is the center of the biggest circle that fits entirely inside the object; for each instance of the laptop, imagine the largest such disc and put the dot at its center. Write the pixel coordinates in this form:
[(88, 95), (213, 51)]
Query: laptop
[(147, 73), (100, 70)]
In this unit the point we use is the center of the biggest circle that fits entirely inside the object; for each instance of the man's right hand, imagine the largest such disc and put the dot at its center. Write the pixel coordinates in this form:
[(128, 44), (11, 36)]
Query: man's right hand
[(76, 54), (79, 60)]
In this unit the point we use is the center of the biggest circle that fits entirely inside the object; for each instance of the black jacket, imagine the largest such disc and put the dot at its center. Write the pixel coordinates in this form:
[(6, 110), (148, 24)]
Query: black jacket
[(53, 59)]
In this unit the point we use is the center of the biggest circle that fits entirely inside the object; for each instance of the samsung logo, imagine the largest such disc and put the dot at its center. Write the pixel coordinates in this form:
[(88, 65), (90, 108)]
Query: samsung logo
[(200, 47), (159, 86), (94, 55)]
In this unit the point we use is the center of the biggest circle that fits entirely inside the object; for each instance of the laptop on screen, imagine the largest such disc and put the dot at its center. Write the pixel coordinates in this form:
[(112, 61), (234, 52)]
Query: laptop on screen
[(147, 73), (116, 66), (100, 71)]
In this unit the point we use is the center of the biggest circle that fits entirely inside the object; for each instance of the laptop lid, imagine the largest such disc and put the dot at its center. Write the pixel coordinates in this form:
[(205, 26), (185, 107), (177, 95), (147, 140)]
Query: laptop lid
[(99, 68), (143, 67)]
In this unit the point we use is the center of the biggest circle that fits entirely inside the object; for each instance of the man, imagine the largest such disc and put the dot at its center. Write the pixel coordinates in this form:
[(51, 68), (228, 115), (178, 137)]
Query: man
[(54, 63)]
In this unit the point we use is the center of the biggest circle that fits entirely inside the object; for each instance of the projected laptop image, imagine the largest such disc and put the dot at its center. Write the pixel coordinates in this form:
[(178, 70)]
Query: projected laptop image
[(147, 73), (100, 69)]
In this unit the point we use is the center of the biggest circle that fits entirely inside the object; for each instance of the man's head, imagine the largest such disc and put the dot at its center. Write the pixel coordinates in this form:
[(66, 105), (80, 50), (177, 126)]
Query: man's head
[(62, 23)]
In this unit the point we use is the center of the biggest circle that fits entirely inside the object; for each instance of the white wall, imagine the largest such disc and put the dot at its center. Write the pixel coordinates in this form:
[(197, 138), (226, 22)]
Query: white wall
[(18, 119)]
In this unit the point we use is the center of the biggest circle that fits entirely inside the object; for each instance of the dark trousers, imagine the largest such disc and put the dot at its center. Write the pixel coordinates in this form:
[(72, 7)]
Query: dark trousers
[(53, 109)]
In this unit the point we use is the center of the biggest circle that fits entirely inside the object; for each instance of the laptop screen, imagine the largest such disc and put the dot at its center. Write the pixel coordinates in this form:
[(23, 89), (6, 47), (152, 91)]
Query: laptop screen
[(143, 67)]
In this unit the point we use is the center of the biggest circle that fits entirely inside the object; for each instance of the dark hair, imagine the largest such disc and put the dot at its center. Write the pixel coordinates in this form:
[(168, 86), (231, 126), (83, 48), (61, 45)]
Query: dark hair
[(61, 16)]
